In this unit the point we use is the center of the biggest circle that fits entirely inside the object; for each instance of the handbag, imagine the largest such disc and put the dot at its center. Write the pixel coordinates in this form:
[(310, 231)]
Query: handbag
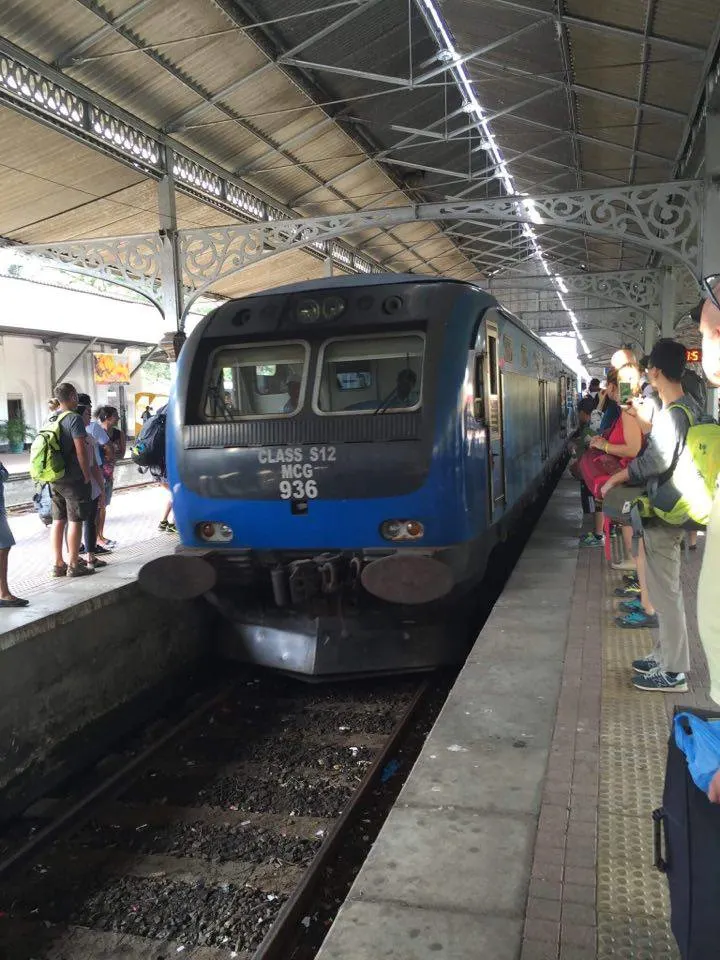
[(596, 466)]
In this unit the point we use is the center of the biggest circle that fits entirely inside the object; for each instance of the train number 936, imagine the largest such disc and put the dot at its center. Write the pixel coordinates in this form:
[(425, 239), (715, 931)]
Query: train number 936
[(297, 468)]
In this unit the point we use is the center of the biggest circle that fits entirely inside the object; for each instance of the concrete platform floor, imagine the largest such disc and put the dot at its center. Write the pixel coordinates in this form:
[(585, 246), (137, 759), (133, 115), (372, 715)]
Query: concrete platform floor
[(524, 831), (132, 521)]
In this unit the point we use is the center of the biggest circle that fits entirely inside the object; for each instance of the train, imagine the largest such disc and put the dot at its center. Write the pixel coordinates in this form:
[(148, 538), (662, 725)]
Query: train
[(345, 456)]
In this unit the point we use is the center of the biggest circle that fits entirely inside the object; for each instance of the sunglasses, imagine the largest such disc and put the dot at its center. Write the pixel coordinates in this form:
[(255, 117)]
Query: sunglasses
[(711, 288)]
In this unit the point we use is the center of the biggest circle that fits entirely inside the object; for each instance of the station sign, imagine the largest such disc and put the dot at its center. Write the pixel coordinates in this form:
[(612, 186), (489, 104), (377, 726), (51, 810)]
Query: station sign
[(110, 368)]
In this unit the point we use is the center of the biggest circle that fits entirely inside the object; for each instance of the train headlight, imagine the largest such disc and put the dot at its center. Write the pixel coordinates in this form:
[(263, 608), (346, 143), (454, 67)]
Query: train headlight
[(402, 530), (333, 307), (308, 311), (214, 532)]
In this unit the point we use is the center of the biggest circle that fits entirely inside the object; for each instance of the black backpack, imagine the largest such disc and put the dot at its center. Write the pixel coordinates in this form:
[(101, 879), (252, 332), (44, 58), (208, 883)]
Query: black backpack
[(148, 451)]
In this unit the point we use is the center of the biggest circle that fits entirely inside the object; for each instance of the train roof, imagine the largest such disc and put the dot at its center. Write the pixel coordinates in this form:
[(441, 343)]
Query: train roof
[(357, 280)]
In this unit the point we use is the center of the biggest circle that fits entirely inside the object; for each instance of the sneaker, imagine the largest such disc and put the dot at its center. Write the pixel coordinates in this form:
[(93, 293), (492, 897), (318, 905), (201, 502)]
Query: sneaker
[(592, 540), (163, 525), (632, 606), (108, 544), (96, 564), (645, 664), (101, 550), (630, 579), (660, 682), (171, 528), (632, 621), (628, 591)]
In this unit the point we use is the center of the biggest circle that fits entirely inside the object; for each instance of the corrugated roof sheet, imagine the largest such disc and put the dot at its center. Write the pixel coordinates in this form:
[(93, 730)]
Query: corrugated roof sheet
[(201, 69)]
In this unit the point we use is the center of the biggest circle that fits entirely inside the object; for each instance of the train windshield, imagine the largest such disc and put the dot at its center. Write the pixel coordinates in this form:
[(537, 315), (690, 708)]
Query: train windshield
[(370, 374), (256, 380)]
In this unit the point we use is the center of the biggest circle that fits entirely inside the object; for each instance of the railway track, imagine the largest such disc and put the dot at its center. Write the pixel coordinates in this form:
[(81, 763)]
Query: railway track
[(215, 838)]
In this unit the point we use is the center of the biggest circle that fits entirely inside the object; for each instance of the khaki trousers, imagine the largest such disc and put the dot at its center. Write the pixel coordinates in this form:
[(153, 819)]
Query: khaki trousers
[(663, 555)]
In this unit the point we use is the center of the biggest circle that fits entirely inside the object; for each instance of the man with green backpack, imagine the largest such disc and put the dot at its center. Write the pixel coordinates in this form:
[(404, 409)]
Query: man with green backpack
[(674, 497), (59, 456)]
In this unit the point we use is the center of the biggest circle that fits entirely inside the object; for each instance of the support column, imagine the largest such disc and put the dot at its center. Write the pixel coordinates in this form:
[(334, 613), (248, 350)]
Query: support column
[(669, 303), (328, 266), (649, 334), (711, 214), (170, 268)]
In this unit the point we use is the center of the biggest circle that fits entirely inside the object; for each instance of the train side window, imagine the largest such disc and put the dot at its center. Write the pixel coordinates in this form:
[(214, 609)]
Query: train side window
[(479, 388)]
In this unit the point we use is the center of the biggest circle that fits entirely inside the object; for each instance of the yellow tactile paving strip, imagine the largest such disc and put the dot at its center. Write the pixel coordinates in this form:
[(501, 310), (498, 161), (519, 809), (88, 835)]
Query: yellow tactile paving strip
[(632, 898)]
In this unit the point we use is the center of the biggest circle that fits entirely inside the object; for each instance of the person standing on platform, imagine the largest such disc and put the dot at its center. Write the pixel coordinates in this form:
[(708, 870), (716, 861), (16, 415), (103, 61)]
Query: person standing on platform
[(664, 669), (110, 454), (71, 496), (7, 599), (146, 414), (99, 430)]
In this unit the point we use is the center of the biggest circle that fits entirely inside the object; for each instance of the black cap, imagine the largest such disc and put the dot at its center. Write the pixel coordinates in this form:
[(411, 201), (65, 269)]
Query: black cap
[(668, 356)]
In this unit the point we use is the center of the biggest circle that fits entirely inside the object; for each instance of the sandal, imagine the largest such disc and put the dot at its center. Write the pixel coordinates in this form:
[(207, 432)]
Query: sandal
[(96, 564), (60, 571), (79, 571)]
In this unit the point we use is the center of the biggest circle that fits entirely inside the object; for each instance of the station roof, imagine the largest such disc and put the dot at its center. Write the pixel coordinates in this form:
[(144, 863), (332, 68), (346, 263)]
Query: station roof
[(315, 107)]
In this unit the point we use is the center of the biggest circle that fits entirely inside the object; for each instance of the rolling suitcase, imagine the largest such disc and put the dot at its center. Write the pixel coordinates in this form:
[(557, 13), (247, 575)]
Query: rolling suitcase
[(688, 826)]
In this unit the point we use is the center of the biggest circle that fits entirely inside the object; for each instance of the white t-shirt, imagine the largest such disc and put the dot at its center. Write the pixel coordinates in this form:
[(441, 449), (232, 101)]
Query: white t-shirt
[(97, 438)]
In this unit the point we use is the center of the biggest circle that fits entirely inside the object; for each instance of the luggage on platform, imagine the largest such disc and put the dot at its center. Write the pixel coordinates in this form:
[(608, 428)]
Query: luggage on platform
[(687, 843)]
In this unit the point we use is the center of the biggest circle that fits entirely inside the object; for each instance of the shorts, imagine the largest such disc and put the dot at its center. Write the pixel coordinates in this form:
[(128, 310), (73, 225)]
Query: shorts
[(7, 540), (71, 501), (109, 484)]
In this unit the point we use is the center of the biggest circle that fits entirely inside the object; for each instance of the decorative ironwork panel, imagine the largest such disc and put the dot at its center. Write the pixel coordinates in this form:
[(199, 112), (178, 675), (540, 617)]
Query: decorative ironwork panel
[(32, 88), (133, 261), (665, 217), (632, 288), (195, 175), (124, 137)]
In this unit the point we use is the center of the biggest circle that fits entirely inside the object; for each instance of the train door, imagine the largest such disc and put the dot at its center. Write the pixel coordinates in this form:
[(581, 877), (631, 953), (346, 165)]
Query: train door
[(494, 414), (544, 451)]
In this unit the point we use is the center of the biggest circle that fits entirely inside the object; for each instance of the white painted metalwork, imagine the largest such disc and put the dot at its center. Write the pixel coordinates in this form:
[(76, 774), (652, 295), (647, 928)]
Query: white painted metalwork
[(660, 217), (639, 289), (132, 261)]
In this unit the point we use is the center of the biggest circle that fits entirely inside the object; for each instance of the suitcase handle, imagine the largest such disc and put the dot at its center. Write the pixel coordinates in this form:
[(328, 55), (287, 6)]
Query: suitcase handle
[(659, 816)]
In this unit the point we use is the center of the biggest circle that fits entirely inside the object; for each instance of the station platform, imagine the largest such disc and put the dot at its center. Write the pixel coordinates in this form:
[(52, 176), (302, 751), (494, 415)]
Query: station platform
[(132, 521), (524, 830)]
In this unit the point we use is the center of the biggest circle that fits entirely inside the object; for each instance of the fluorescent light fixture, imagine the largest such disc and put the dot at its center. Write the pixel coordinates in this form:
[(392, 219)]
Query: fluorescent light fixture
[(471, 105), (532, 211)]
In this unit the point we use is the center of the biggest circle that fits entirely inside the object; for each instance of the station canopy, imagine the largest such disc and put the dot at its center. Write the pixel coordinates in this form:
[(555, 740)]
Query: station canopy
[(278, 109)]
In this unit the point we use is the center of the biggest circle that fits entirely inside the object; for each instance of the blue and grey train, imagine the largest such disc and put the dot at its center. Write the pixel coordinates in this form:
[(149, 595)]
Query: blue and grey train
[(345, 454)]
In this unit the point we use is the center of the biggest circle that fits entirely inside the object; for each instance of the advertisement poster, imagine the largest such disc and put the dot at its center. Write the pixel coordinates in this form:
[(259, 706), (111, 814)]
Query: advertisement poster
[(111, 368)]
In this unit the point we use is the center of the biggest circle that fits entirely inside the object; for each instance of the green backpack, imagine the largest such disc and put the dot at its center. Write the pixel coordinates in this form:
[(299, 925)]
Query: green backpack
[(683, 498), (46, 460)]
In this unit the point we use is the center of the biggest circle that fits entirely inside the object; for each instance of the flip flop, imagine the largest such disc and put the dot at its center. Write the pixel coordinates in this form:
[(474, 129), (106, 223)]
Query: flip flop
[(15, 602)]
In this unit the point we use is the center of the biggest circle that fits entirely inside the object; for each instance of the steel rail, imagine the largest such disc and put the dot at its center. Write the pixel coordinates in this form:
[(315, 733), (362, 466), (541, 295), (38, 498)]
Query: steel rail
[(278, 938), (122, 778)]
